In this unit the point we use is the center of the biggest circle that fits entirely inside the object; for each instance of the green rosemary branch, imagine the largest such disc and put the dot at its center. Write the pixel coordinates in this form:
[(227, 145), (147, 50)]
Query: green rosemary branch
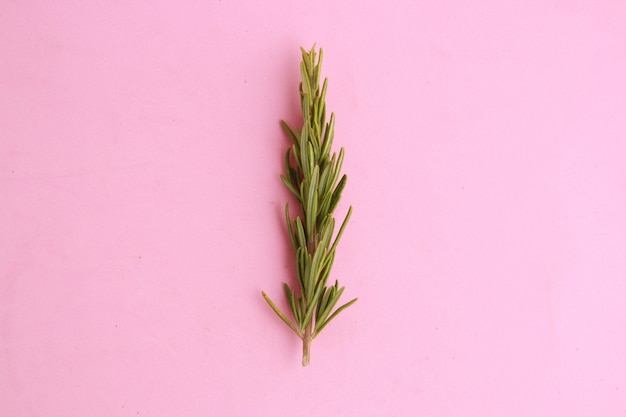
[(315, 183)]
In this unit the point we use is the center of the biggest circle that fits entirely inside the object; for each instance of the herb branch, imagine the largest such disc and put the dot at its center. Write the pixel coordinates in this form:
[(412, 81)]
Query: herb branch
[(312, 176)]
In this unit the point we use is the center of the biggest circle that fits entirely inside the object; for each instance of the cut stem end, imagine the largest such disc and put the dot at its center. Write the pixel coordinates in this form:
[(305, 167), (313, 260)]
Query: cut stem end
[(306, 350)]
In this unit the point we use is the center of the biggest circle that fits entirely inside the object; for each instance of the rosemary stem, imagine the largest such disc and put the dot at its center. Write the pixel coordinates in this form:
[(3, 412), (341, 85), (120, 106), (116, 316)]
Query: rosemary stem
[(306, 344)]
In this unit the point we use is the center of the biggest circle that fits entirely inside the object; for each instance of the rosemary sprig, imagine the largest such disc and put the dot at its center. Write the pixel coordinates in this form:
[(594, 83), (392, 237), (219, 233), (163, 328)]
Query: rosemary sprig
[(315, 183)]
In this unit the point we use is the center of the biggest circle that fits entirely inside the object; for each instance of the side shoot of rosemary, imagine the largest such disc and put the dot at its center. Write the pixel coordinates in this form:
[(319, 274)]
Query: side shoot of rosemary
[(312, 175)]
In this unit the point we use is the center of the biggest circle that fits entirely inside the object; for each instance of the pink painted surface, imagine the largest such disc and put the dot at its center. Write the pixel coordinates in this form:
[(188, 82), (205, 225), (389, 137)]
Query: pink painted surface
[(141, 210)]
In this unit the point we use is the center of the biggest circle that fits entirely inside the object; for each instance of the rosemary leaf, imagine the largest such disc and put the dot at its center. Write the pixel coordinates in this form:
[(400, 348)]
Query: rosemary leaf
[(280, 314), (311, 307), (300, 233), (292, 237), (339, 310), (288, 184), (337, 194), (289, 132), (292, 303), (341, 229), (328, 135), (330, 304)]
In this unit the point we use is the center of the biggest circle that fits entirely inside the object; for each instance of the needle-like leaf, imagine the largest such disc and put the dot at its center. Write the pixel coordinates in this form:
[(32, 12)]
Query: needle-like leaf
[(290, 133), (341, 229), (292, 303), (280, 314), (339, 310), (292, 237), (289, 186), (334, 199)]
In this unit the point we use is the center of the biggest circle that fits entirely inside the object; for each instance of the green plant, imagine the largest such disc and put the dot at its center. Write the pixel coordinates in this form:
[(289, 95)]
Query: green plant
[(314, 181)]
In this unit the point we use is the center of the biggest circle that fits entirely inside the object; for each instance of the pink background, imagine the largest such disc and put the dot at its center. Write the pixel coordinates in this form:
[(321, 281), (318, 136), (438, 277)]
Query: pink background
[(141, 210)]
